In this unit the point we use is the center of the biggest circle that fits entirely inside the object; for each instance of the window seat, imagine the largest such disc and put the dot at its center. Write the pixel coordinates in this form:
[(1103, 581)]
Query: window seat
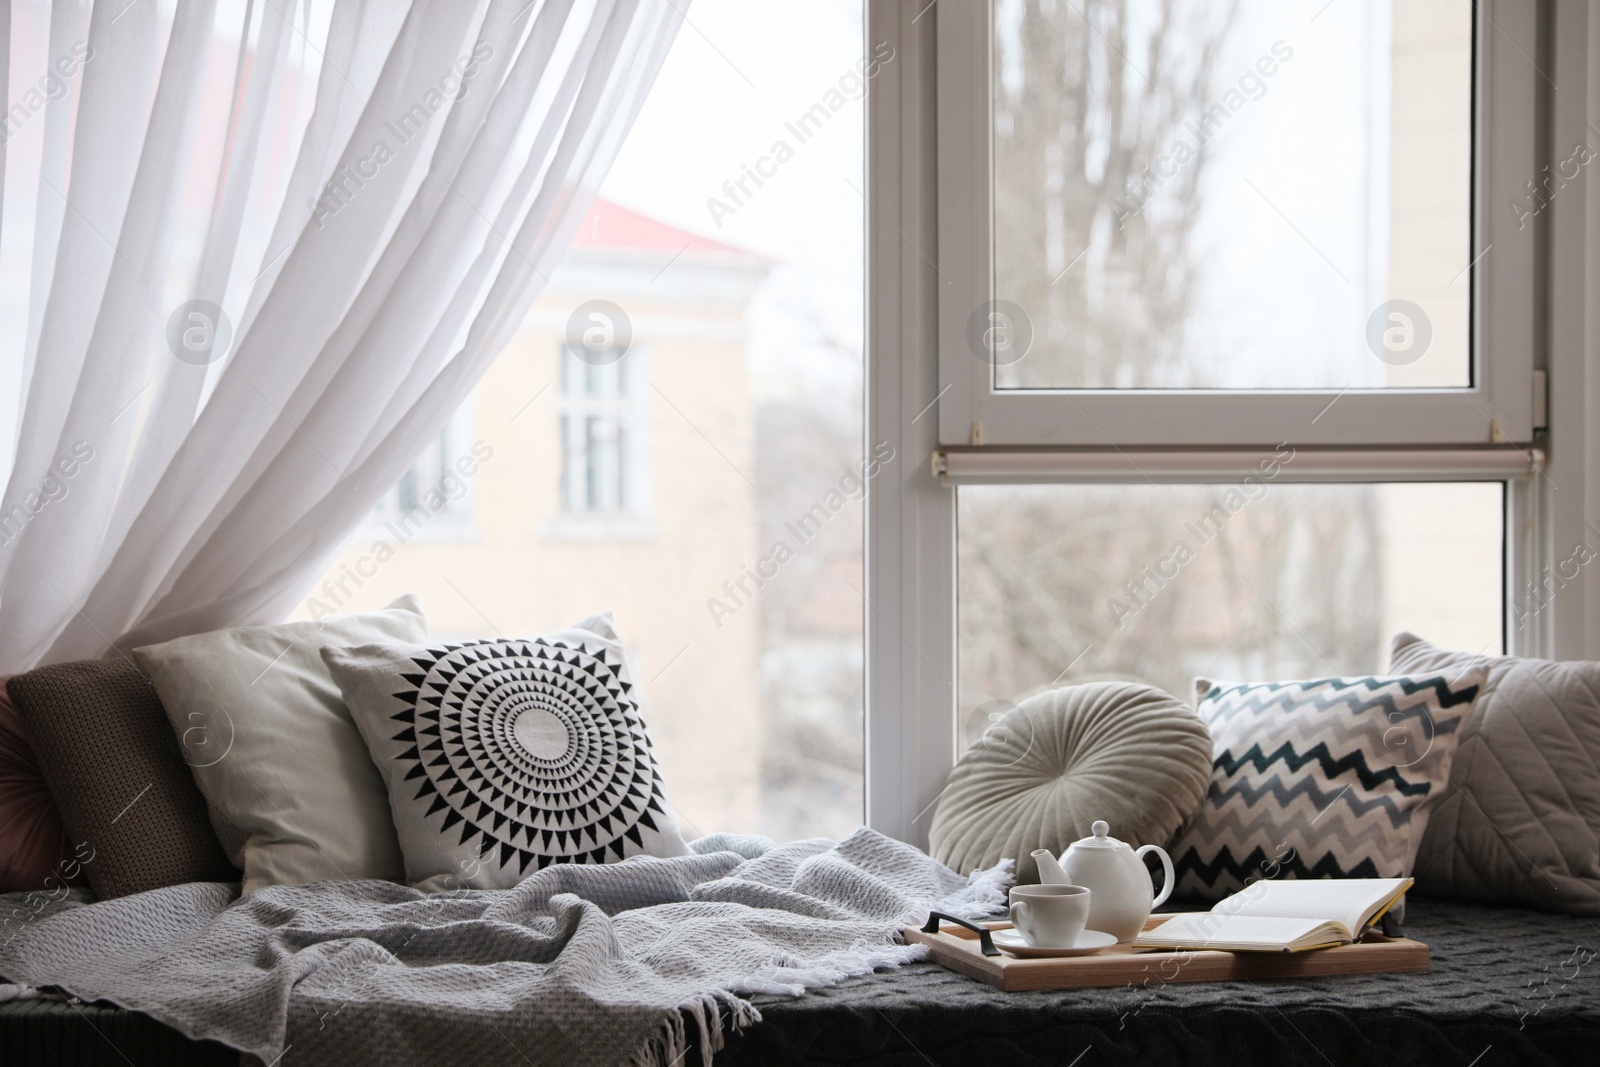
[(1525, 982), (1525, 986)]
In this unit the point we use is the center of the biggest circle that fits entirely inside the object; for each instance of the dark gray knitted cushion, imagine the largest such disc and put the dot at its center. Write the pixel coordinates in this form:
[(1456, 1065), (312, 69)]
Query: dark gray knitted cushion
[(113, 764), (1127, 753)]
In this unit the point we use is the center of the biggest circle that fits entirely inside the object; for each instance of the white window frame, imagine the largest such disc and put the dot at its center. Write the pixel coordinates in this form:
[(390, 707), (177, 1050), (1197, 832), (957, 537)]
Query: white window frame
[(1541, 317), (1498, 407)]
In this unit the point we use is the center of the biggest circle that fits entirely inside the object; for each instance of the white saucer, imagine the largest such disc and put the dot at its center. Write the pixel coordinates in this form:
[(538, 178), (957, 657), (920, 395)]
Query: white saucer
[(1089, 941)]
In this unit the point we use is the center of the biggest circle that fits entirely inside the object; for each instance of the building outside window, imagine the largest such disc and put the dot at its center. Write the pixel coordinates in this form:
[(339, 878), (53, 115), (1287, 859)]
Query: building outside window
[(624, 478)]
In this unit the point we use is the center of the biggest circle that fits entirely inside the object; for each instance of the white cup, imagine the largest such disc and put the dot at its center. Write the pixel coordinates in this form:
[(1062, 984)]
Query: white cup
[(1050, 916)]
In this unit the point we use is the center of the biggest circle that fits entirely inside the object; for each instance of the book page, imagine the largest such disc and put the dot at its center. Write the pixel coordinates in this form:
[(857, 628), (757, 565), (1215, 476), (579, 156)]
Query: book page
[(1342, 900), (1204, 929)]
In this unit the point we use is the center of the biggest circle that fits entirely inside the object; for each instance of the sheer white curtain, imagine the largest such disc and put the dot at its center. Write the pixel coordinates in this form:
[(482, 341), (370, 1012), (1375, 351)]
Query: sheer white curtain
[(252, 256)]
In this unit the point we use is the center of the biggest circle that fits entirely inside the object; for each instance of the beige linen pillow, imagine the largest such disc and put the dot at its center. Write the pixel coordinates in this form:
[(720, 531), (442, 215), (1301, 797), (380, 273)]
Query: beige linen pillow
[(290, 788)]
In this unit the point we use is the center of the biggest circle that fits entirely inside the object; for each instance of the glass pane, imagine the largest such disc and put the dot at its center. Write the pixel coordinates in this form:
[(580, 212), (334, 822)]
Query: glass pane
[(675, 432), (1232, 194), (1253, 581)]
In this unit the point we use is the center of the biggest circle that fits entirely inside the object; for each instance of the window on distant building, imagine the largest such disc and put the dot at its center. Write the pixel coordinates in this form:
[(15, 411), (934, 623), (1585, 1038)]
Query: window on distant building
[(435, 497), (605, 442)]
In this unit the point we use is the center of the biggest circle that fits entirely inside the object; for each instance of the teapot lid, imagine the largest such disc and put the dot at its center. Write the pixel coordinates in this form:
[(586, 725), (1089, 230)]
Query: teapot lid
[(1100, 839)]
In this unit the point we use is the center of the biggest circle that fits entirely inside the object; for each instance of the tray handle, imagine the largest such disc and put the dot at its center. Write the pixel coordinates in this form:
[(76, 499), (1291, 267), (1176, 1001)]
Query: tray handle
[(985, 942)]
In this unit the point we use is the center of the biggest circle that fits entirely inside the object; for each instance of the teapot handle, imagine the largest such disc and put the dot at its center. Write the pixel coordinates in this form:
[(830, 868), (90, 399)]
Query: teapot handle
[(1166, 868)]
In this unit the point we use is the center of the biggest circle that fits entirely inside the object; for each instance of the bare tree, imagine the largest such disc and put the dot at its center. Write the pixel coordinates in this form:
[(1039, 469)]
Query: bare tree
[(1100, 160), (1097, 182), (1063, 584)]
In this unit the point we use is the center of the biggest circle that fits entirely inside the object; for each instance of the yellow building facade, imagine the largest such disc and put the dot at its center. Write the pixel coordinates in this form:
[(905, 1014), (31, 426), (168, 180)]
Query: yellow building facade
[(606, 462)]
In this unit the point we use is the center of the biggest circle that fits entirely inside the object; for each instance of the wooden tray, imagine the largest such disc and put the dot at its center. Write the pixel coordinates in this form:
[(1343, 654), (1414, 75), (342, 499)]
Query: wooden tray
[(958, 949)]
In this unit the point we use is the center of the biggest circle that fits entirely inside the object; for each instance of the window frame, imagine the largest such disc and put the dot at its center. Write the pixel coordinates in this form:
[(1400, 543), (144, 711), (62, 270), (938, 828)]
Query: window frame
[(1497, 408), (912, 718)]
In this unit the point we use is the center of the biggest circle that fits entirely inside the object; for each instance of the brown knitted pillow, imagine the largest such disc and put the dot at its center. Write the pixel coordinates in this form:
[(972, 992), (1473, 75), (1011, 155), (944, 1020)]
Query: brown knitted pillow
[(114, 767)]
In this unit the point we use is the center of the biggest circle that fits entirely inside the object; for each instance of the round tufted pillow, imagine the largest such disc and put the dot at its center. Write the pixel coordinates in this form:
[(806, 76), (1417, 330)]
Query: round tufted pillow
[(32, 842), (1120, 751)]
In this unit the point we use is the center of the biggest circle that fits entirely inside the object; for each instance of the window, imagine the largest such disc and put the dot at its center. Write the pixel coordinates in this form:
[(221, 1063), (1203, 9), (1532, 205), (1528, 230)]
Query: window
[(1125, 258), (1318, 171), (435, 497), (605, 441), (1219, 224), (1252, 580)]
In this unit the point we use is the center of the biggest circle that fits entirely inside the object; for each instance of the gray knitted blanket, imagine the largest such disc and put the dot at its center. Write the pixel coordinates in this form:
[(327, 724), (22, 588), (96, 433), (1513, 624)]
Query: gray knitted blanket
[(596, 965)]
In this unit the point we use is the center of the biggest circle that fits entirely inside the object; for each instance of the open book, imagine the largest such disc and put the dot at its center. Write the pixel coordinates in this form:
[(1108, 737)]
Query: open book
[(1289, 916)]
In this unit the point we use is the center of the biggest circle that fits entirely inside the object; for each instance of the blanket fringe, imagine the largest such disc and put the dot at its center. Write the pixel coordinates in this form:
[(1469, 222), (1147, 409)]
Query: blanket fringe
[(984, 894), (670, 1044), (793, 977)]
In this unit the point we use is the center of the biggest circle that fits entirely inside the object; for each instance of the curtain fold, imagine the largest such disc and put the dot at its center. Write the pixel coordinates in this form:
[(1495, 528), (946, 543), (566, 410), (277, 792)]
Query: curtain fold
[(290, 241)]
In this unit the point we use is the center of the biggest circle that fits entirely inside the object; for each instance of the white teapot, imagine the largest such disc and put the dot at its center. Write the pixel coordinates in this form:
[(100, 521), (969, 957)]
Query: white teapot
[(1121, 895)]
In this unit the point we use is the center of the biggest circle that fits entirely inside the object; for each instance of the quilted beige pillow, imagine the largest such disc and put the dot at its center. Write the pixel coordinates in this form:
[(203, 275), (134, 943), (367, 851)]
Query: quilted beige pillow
[(1127, 753), (1520, 820)]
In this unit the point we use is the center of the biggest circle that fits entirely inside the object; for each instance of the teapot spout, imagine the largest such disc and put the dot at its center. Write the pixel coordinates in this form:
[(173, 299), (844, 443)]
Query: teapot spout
[(1050, 872)]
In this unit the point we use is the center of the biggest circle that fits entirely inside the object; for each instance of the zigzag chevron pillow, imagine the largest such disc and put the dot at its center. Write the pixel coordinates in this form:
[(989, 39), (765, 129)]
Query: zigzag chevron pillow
[(503, 757), (1330, 778)]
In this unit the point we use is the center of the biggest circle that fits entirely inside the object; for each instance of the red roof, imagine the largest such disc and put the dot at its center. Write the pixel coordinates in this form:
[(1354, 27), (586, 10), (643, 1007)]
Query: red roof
[(608, 225)]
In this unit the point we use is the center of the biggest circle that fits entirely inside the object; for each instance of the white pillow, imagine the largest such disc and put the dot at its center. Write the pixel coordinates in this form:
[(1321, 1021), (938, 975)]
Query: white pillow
[(291, 791), (503, 757)]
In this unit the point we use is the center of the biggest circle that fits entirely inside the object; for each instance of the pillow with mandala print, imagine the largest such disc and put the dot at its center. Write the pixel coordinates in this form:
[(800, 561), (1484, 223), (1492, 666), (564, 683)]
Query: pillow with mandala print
[(1329, 778), (502, 757)]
